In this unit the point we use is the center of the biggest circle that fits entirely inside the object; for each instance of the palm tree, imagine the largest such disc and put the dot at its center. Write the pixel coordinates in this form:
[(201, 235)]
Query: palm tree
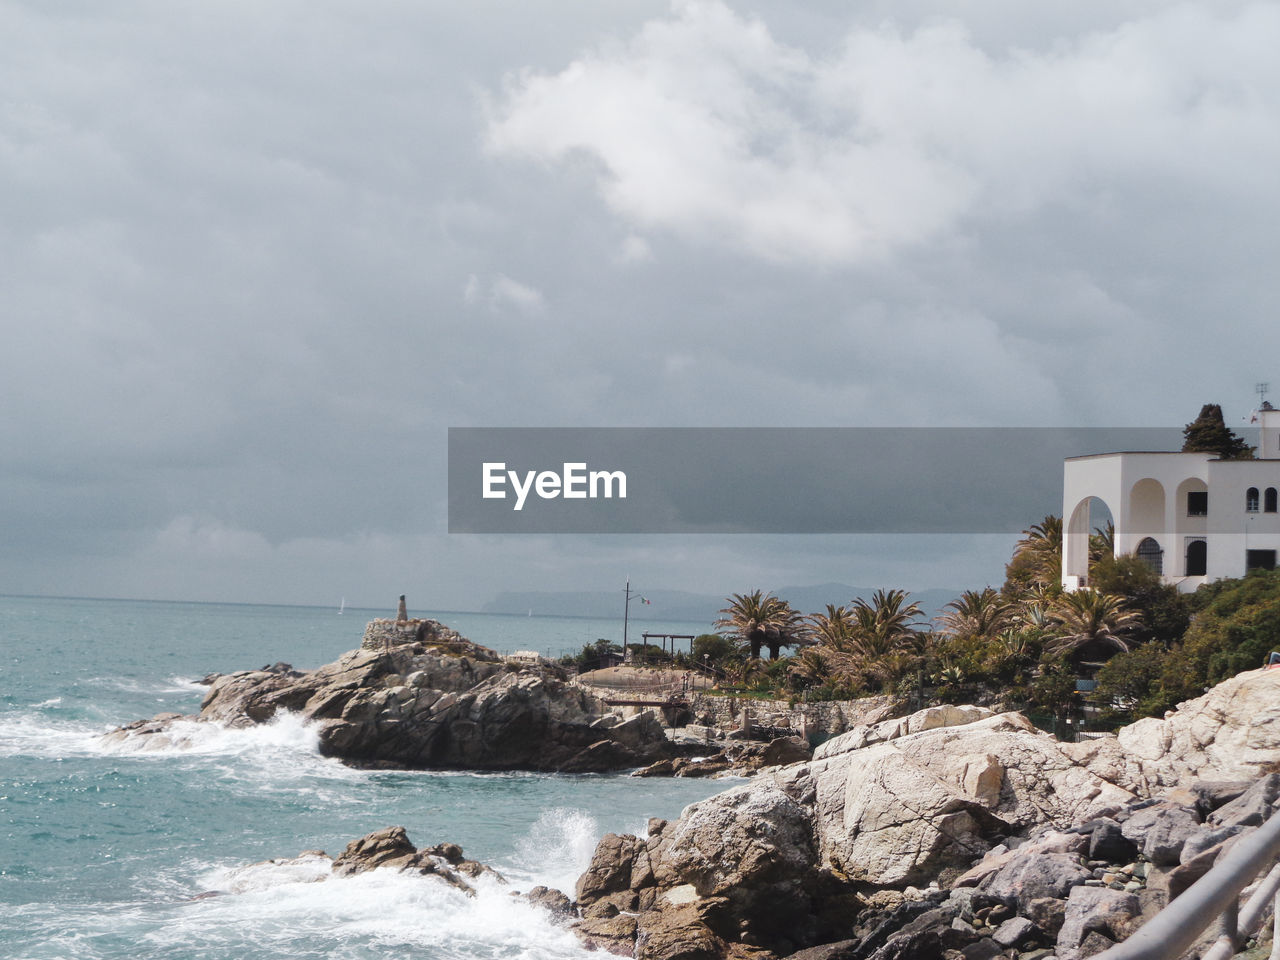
[(1088, 616), (1037, 558), (831, 629), (885, 634), (980, 614), (1102, 543), (758, 620)]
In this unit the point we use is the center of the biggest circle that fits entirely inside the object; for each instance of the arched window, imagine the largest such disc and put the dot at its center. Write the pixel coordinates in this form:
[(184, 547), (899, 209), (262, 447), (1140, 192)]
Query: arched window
[(1269, 500), (1251, 499), (1149, 552), (1197, 558)]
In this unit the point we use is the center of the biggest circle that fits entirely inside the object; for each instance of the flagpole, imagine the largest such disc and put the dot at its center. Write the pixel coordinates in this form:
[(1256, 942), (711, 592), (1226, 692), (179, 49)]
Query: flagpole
[(626, 611)]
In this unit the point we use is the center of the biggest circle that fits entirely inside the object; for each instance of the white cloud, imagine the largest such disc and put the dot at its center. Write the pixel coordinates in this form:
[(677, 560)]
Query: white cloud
[(706, 126), (501, 293)]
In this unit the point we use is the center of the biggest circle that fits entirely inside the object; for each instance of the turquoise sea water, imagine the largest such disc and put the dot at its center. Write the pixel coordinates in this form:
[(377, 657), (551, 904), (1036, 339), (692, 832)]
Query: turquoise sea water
[(107, 852)]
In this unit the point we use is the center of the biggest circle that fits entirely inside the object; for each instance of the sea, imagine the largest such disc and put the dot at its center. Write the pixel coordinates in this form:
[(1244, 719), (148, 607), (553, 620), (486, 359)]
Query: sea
[(113, 852)]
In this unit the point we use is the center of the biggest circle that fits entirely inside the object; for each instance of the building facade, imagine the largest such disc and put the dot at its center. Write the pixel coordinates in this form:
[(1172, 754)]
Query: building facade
[(1192, 517)]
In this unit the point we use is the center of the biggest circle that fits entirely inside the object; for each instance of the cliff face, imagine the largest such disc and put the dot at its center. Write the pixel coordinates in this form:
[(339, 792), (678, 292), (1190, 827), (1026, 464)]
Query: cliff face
[(418, 695), (954, 829)]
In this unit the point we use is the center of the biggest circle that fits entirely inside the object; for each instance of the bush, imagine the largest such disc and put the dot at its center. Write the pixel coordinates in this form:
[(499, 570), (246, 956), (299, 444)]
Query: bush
[(714, 646)]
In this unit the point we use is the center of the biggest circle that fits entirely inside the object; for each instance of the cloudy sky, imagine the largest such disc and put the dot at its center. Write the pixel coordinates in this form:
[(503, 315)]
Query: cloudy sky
[(257, 258)]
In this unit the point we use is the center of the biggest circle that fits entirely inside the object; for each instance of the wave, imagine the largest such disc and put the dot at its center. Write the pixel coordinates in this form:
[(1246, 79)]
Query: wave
[(556, 850), (285, 732), (31, 733), (297, 907)]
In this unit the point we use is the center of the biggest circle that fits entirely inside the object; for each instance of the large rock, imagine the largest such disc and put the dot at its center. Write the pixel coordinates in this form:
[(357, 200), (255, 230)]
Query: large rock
[(929, 791), (1230, 733), (417, 695), (1095, 910)]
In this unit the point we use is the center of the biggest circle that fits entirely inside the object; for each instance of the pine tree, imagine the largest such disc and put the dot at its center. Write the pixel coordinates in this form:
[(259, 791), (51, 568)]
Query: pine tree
[(1209, 433)]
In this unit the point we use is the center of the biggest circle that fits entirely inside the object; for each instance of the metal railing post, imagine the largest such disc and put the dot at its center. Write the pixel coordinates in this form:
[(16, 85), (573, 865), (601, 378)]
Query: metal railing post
[(1214, 895)]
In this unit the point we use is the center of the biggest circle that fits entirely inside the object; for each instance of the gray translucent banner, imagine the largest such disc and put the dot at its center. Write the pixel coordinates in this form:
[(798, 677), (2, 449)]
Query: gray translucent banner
[(769, 480)]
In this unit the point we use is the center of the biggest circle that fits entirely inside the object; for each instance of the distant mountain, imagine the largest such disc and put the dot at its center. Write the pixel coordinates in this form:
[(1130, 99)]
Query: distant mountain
[(682, 605)]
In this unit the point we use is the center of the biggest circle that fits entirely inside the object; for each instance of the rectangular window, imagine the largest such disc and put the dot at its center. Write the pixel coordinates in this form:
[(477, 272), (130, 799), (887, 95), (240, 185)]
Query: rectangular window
[(1261, 559), (1198, 503)]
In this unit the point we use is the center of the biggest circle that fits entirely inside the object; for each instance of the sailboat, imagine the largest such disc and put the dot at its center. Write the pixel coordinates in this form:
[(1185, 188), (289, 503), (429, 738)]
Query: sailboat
[(342, 606)]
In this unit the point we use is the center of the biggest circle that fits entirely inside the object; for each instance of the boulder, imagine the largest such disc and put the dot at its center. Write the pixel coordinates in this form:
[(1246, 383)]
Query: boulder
[(1161, 831), (390, 848), (1111, 914), (553, 901), (1036, 876), (883, 820), (1230, 733)]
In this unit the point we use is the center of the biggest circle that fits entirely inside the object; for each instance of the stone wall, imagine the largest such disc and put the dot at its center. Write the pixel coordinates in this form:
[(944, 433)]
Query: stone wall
[(814, 721)]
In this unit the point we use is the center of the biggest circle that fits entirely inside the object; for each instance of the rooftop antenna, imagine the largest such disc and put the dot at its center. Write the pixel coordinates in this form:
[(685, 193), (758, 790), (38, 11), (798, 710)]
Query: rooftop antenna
[(1261, 390)]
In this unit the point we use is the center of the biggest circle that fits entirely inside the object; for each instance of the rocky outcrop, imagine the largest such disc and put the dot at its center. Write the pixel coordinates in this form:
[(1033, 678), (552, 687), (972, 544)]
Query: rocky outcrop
[(1230, 733), (417, 695), (953, 829), (735, 874)]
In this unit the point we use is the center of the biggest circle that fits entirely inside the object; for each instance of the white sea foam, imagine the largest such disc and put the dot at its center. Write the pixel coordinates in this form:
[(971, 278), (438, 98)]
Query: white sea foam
[(556, 849), (297, 907), (30, 733), (284, 733)]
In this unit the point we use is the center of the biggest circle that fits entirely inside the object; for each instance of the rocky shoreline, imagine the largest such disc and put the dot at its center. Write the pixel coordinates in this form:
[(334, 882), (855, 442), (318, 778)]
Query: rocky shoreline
[(955, 832), (951, 834)]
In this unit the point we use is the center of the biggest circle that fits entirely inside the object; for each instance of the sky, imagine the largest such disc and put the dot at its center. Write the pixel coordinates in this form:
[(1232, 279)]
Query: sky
[(257, 259)]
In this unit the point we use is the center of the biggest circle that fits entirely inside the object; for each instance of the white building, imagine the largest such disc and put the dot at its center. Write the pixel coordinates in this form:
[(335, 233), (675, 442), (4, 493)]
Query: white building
[(1193, 517)]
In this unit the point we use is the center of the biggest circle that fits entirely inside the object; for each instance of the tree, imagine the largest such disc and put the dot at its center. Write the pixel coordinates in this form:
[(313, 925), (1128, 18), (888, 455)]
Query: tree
[(1209, 433), (1037, 558), (1165, 611), (885, 635), (831, 629), (982, 614), (758, 620), (1086, 617), (713, 647)]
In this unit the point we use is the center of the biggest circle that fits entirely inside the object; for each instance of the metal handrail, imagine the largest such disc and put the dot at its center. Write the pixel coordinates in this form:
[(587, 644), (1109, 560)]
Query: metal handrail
[(1215, 895)]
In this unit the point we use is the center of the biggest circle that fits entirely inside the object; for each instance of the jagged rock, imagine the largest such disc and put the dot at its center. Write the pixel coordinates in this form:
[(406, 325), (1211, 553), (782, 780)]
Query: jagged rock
[(418, 695), (1161, 831), (158, 733), (1108, 842), (1051, 841), (1212, 794), (1206, 838), (676, 933), (1108, 913), (886, 821), (616, 934), (927, 937), (1253, 807), (1035, 876), (390, 848), (553, 901), (1014, 931), (1048, 914), (1230, 733), (930, 718), (785, 750)]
